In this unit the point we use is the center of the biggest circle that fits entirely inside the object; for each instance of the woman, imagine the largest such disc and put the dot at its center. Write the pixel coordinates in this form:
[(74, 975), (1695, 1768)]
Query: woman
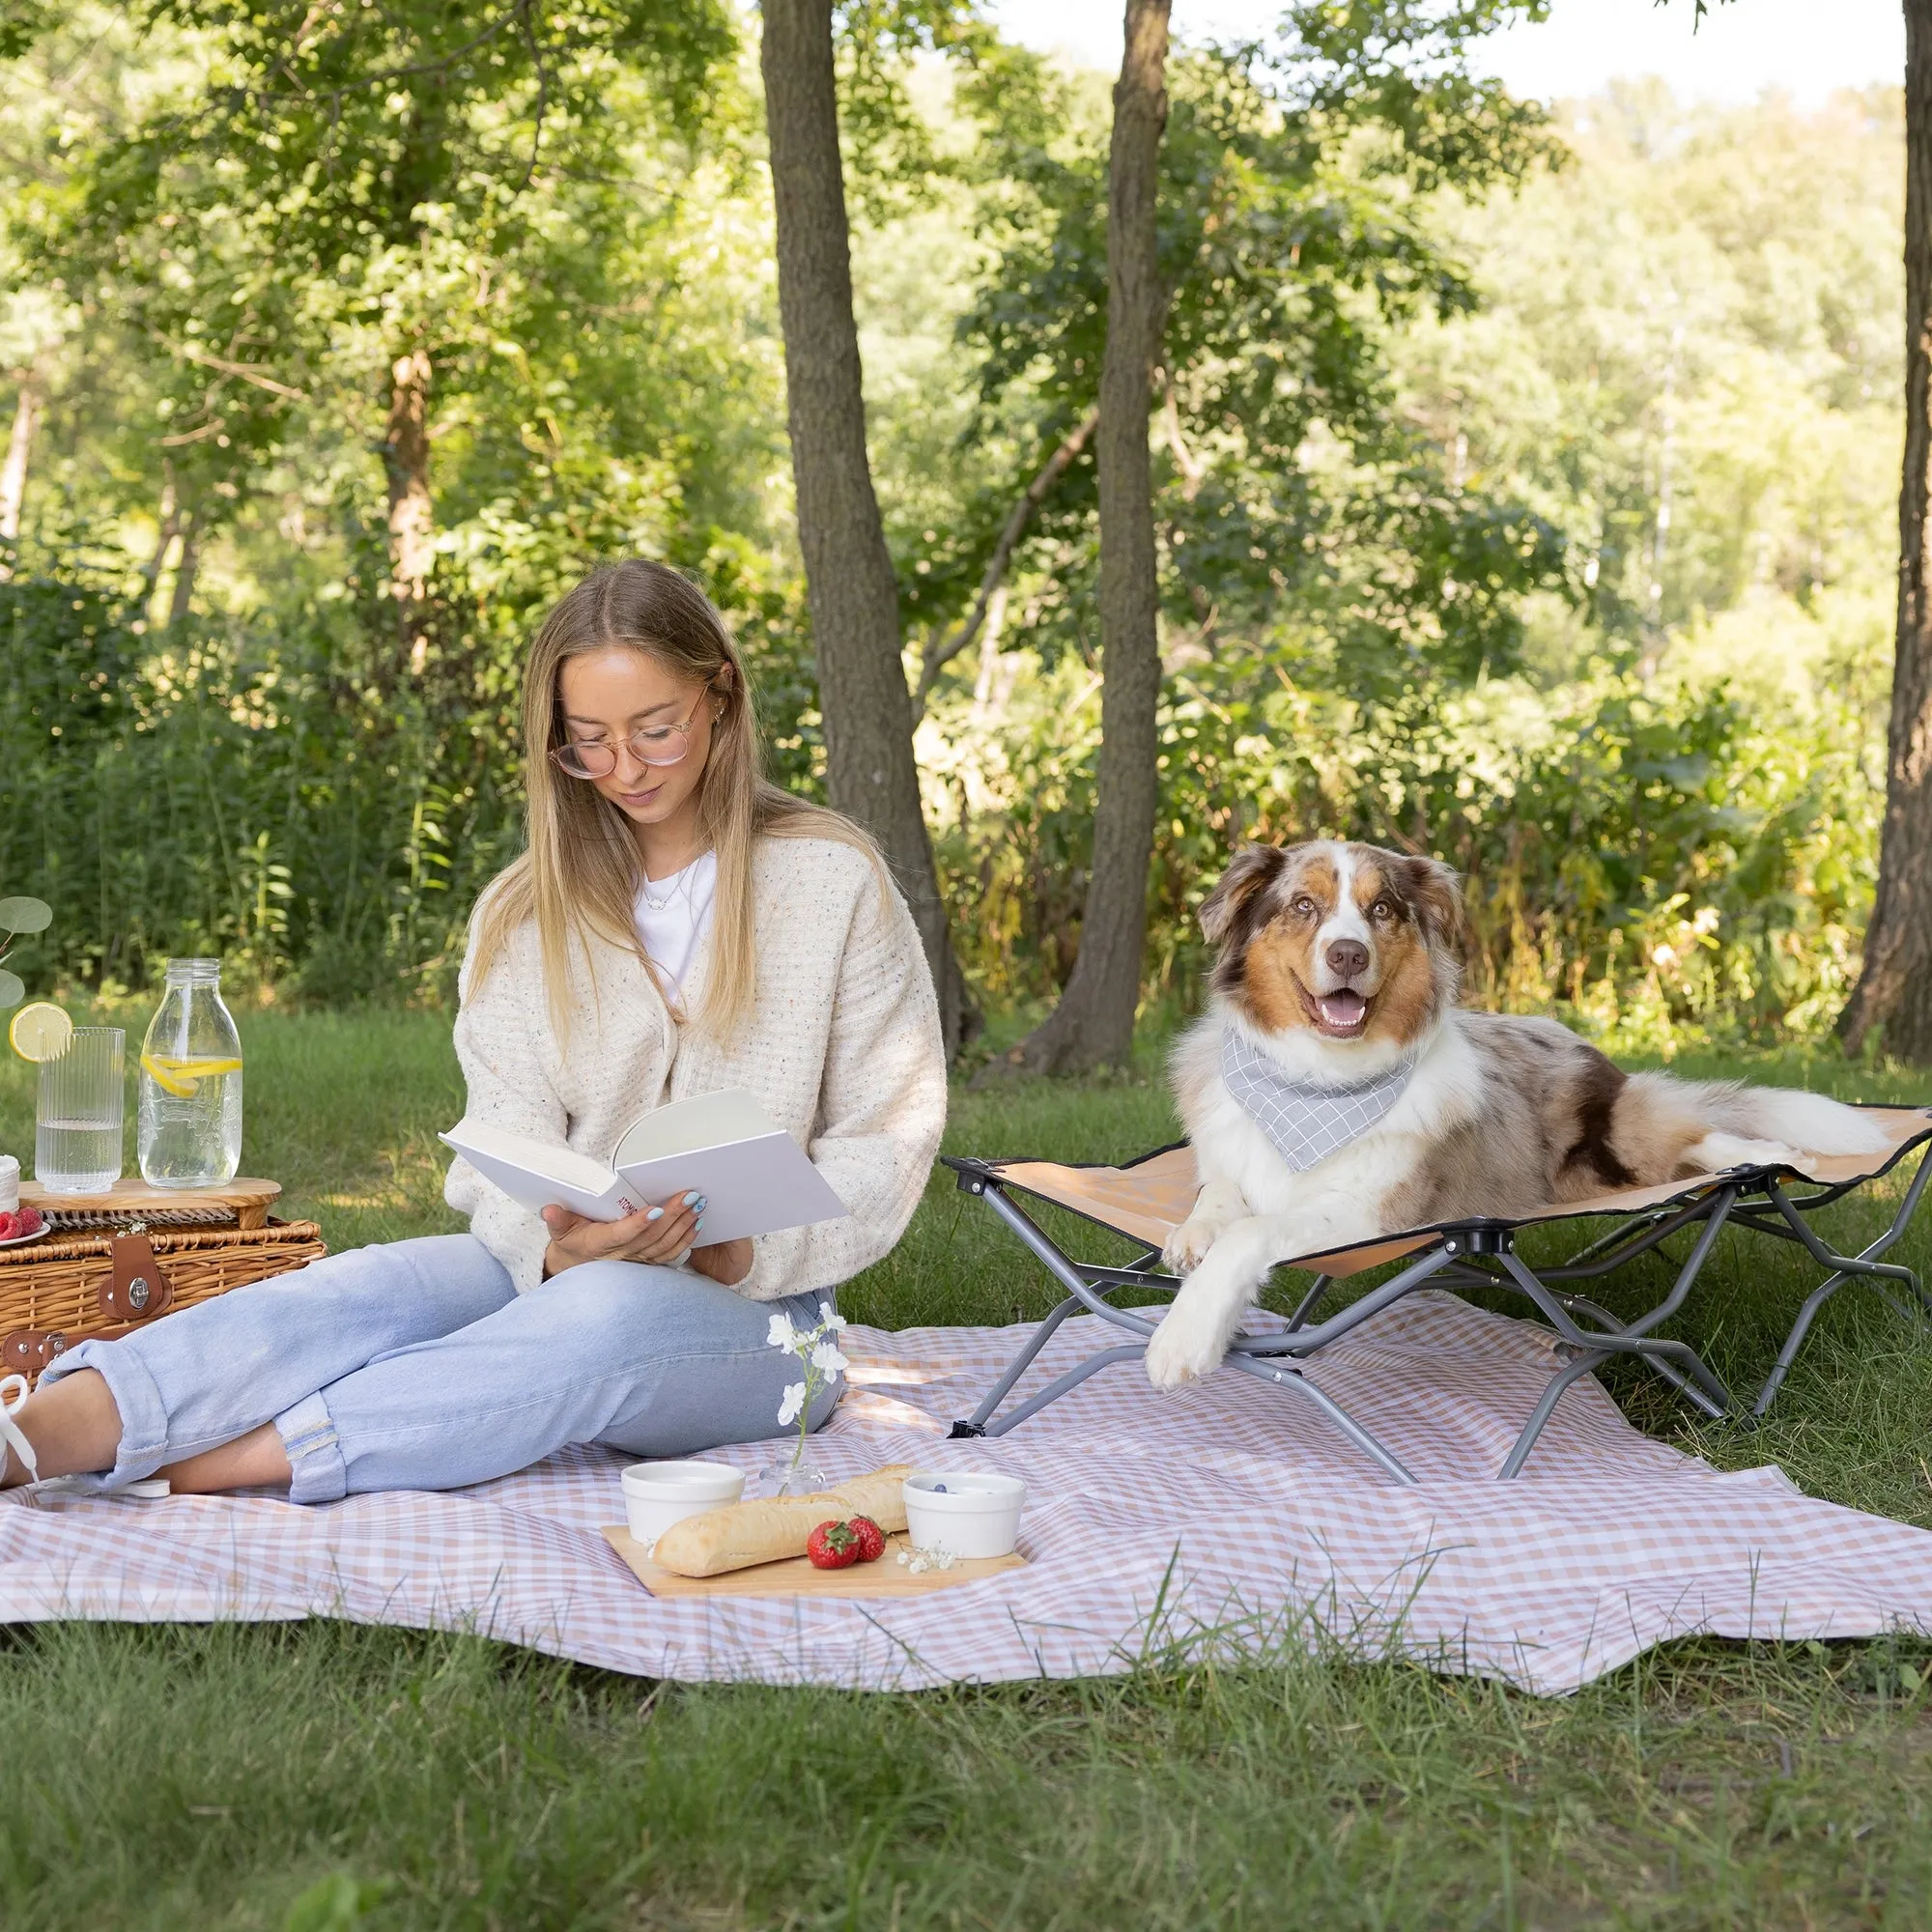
[(677, 926)]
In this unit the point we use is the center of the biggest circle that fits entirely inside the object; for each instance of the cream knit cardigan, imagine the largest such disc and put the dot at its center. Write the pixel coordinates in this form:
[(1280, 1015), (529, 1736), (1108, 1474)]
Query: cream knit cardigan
[(841, 1045)]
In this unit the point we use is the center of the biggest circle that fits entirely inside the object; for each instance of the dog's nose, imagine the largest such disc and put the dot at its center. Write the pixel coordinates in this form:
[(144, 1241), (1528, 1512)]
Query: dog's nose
[(1348, 957)]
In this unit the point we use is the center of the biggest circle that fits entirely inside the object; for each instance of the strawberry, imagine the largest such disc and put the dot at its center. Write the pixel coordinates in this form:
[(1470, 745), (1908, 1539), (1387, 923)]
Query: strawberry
[(871, 1538), (10, 1226), (832, 1546), (29, 1220)]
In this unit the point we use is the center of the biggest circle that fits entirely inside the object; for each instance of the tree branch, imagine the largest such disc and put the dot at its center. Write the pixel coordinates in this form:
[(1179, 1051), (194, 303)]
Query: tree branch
[(938, 655), (243, 371), (1192, 468)]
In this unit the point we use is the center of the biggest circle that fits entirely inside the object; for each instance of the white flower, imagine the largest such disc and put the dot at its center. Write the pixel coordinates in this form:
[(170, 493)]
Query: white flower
[(826, 1358), (792, 1405), (781, 1334), (827, 1320), (927, 1556)]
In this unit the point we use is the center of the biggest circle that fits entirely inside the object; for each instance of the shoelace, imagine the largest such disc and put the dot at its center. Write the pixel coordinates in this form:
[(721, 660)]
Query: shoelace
[(14, 1392)]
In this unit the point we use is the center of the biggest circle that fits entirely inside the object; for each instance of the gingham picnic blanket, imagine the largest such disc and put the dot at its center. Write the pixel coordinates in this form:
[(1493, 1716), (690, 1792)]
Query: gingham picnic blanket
[(1227, 1518)]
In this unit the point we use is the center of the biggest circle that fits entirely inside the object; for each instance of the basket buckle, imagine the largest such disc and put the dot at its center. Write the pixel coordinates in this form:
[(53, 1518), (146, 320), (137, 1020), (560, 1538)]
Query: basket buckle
[(136, 1290), (26, 1352)]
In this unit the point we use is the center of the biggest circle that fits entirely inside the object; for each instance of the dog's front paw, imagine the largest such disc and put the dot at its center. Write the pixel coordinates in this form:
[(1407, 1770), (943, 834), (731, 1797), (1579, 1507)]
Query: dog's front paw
[(1186, 1348), (1188, 1246)]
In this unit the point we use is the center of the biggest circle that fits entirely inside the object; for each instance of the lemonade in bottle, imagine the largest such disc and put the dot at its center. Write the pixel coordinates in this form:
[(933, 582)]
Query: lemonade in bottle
[(190, 1127)]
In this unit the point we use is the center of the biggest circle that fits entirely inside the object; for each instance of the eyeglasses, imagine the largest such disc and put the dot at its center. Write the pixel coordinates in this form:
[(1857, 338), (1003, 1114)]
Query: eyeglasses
[(650, 745)]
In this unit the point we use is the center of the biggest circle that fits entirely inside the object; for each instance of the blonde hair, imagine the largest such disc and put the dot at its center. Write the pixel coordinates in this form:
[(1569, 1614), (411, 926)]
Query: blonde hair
[(582, 871)]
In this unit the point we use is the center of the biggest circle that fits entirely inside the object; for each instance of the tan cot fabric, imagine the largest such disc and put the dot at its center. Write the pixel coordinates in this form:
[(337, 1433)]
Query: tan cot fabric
[(1152, 1199)]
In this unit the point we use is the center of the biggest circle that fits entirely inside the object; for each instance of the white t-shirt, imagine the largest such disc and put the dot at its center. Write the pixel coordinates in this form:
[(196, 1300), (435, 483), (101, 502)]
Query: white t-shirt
[(674, 928)]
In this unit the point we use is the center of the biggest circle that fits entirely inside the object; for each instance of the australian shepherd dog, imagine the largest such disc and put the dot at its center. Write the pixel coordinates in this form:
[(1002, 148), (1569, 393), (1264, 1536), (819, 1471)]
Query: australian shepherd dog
[(1334, 1090)]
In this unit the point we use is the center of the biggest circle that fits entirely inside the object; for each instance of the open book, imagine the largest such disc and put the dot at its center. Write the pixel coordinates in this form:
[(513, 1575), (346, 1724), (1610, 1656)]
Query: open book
[(753, 1176)]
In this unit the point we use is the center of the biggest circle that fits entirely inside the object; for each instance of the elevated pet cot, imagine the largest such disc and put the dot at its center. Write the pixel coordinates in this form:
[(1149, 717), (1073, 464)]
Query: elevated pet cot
[(1148, 1198)]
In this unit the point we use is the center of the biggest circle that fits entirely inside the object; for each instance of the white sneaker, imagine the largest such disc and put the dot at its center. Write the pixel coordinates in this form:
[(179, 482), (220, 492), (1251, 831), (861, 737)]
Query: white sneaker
[(14, 1392)]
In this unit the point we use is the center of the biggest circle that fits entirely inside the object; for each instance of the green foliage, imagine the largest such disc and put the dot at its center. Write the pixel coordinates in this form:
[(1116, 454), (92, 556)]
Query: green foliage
[(1655, 865), (1538, 513), (1292, 236), (1663, 778), (230, 789)]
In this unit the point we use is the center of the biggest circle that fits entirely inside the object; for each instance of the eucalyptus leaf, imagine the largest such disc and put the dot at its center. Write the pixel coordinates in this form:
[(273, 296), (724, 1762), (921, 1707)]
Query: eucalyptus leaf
[(20, 914), (12, 990)]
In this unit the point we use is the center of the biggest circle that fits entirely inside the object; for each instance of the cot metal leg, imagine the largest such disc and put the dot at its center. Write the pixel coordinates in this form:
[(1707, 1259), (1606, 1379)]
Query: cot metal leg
[(1307, 1341), (976, 1424), (1633, 1337), (1844, 1269), (1288, 1377), (1867, 1261), (1656, 1363), (1056, 1264), (1558, 1387), (1087, 1288), (1795, 1341), (1122, 1352), (1305, 1307), (1640, 1237)]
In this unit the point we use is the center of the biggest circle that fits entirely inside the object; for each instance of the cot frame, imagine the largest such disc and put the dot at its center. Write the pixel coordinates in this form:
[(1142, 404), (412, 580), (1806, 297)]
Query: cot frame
[(1479, 1253)]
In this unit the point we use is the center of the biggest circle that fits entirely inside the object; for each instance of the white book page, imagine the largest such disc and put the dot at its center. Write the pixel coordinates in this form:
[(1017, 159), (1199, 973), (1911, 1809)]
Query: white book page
[(704, 1121), (753, 1176), (538, 1173)]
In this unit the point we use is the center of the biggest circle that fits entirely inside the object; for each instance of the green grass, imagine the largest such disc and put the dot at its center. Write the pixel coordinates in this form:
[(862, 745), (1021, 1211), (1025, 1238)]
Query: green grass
[(320, 1776)]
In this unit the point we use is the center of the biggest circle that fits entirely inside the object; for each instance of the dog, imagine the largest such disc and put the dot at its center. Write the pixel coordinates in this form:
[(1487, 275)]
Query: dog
[(1334, 1090)]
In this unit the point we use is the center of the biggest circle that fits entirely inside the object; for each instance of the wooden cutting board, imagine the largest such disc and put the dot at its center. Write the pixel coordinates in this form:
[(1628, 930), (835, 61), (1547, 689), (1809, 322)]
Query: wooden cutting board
[(247, 1200), (799, 1577)]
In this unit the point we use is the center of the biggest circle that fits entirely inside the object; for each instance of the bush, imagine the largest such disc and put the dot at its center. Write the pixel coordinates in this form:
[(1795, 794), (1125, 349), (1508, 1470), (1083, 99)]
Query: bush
[(1651, 862)]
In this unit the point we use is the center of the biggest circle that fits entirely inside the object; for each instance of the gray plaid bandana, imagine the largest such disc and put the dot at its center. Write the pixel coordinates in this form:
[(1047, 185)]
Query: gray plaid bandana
[(1306, 1123)]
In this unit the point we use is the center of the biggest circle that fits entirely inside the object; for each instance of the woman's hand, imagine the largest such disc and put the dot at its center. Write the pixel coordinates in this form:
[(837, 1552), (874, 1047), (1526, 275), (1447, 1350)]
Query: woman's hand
[(658, 1236), (726, 1262)]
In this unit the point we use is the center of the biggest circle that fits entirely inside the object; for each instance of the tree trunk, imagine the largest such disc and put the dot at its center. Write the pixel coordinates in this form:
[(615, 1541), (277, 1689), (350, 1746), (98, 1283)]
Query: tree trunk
[(181, 599), (1894, 991), (1094, 1021), (168, 520), (411, 513), (848, 573), (13, 471)]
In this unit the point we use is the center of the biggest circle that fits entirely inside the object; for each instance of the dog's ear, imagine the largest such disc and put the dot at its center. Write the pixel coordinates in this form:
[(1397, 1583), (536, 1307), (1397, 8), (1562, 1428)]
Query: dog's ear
[(1435, 891), (1250, 869)]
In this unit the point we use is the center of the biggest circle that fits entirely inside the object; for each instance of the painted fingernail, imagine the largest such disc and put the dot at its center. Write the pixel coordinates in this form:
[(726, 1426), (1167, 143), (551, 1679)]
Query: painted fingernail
[(656, 1215), (698, 1224), (703, 1202), (694, 1201)]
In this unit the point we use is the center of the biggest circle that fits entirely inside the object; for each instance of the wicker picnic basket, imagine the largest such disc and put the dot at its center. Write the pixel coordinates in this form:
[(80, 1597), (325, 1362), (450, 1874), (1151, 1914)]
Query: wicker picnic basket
[(125, 1267)]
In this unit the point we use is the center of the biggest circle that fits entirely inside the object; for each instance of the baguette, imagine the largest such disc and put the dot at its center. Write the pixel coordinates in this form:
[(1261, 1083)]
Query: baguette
[(742, 1534)]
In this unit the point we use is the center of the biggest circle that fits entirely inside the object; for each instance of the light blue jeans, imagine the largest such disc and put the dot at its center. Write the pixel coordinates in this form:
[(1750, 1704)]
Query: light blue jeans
[(417, 1366)]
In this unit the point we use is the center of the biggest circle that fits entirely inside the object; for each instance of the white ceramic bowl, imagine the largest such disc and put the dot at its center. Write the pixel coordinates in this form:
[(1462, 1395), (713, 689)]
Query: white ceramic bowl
[(967, 1510), (658, 1494)]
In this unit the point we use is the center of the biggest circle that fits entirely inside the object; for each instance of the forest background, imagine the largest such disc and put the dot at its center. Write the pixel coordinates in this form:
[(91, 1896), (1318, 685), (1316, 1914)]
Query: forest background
[(1547, 525)]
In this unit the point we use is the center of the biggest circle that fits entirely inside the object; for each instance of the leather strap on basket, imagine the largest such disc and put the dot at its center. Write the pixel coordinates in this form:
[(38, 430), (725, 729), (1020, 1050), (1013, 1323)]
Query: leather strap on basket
[(135, 1288), (26, 1352)]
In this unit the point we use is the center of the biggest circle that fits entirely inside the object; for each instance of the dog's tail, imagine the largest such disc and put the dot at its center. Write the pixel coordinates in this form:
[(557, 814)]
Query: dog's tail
[(1655, 1111)]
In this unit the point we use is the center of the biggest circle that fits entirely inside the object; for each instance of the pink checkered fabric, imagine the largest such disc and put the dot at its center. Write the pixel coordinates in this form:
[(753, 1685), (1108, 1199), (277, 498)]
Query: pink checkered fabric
[(1229, 1516)]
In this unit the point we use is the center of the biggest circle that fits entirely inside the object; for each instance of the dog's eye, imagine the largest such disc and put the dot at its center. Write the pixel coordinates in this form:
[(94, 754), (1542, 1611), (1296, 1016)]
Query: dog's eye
[(1382, 909), (1303, 906)]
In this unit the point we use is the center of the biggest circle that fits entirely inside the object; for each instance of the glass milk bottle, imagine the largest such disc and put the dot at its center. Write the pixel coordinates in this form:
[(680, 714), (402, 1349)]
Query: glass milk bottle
[(190, 1129)]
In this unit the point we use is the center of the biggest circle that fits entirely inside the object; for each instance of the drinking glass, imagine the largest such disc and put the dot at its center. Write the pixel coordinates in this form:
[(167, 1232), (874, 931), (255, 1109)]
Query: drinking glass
[(77, 1121)]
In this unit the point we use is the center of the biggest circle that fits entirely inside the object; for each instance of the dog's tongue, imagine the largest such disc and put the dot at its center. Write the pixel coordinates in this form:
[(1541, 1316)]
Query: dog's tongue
[(1344, 1010)]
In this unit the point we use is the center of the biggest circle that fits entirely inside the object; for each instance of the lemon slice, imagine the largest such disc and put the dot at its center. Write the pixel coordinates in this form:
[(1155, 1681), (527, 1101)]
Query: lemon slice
[(39, 1032), (167, 1080), (179, 1073)]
